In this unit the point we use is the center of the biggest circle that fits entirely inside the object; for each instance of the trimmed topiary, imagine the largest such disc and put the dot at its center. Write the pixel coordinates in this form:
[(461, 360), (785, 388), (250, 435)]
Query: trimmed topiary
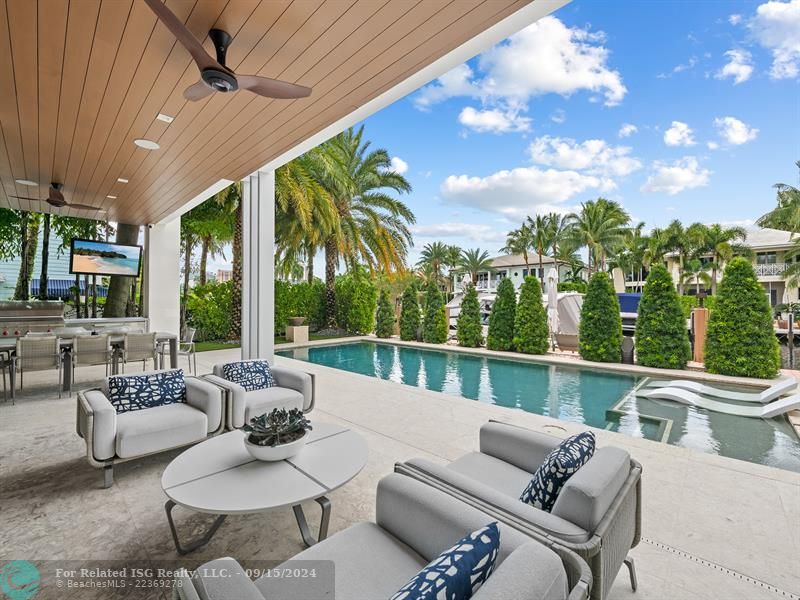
[(740, 339), (600, 331), (468, 325), (409, 314), (662, 339), (384, 327), (530, 325), (434, 325), (501, 319)]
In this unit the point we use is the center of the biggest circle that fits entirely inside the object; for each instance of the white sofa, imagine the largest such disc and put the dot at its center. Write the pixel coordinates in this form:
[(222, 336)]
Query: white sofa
[(113, 438)]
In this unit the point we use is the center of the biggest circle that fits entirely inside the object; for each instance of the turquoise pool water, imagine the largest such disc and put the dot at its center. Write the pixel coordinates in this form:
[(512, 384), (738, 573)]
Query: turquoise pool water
[(596, 398)]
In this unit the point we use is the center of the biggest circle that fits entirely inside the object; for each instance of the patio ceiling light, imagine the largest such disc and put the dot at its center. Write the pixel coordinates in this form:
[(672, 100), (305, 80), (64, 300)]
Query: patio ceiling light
[(146, 144), (165, 118), (111, 197), (122, 180)]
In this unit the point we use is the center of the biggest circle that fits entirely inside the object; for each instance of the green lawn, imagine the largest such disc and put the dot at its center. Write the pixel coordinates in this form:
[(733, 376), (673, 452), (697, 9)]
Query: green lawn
[(208, 346)]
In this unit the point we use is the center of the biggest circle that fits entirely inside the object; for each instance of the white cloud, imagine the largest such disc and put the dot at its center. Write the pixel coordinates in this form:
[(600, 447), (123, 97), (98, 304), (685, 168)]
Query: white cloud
[(596, 157), (712, 145), (558, 116), (545, 57), (521, 191), (627, 130), (399, 166), (735, 19), (687, 66), (682, 174), (679, 134), (776, 26), (739, 66), (493, 120), (734, 131), (476, 232)]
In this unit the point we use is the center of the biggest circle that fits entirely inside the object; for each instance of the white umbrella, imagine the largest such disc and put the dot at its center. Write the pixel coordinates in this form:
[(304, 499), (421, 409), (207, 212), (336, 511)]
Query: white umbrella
[(552, 300)]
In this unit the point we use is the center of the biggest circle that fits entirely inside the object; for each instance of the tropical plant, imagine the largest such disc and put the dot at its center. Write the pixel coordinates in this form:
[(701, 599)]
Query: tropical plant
[(384, 327), (475, 261), (723, 243), (786, 215), (741, 339), (696, 271), (501, 319), (434, 325), (409, 314), (542, 238), (519, 241), (118, 301), (600, 330), (279, 426), (579, 286), (29, 226), (599, 225), (434, 256), (301, 299), (531, 332), (629, 257), (10, 233), (356, 303), (453, 257), (468, 325), (662, 339), (208, 310)]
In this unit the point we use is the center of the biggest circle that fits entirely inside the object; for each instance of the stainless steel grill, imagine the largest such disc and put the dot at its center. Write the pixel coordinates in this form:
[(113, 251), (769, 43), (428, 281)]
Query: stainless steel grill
[(18, 318)]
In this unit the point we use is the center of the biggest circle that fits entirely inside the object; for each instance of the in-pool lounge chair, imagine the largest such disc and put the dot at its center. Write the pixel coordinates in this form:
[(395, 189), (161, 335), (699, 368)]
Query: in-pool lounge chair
[(767, 411), (598, 511), (414, 523), (784, 386)]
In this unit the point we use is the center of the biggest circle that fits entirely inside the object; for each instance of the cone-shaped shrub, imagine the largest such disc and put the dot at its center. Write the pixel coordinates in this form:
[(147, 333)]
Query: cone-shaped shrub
[(661, 337), (409, 314), (600, 331), (530, 326), (741, 340), (384, 327), (434, 326), (469, 320), (501, 319)]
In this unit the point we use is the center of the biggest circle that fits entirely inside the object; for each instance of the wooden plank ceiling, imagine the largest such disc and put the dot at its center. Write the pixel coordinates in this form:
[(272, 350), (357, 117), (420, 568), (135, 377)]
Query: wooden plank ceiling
[(84, 78)]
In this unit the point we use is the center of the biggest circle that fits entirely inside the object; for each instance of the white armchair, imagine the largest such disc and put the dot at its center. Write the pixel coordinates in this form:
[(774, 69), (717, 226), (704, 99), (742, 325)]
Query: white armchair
[(113, 438), (294, 389)]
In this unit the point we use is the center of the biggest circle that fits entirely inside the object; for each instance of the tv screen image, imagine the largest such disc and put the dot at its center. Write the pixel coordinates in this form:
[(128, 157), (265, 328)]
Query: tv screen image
[(90, 257)]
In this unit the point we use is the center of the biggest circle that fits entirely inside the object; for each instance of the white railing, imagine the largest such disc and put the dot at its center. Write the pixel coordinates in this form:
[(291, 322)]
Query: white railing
[(770, 270)]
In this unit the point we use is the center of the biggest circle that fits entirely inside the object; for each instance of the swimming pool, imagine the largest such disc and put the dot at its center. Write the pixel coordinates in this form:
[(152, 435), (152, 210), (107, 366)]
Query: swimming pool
[(579, 395)]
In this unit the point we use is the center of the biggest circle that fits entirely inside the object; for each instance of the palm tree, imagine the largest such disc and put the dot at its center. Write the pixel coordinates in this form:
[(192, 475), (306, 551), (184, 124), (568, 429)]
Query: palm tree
[(519, 241), (434, 255), (722, 243), (542, 236), (475, 261), (451, 261), (636, 244), (599, 226), (560, 226), (696, 270), (373, 226), (786, 215)]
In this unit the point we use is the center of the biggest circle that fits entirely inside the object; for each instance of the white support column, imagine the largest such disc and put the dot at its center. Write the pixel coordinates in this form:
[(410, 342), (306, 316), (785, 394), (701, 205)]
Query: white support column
[(258, 265), (162, 259)]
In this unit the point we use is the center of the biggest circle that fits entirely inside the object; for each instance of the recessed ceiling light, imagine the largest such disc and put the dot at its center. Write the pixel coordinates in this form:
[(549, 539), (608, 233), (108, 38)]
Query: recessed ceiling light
[(147, 144), (26, 182), (165, 118), (111, 197), (121, 180)]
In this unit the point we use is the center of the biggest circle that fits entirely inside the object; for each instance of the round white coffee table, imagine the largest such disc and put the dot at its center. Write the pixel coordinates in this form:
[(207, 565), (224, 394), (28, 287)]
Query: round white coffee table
[(220, 477)]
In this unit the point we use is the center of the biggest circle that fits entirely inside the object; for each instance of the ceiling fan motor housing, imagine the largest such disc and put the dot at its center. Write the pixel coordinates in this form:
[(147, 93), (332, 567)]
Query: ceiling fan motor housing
[(222, 81)]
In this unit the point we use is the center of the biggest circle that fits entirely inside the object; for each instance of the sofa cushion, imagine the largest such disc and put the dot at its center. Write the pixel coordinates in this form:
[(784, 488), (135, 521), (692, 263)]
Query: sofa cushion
[(369, 564), (458, 572), (497, 474), (250, 374), (263, 401), (144, 431), (563, 462), (128, 393)]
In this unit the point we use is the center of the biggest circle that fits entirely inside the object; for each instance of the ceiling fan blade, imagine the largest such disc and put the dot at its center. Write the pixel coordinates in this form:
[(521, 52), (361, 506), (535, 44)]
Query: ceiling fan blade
[(26, 198), (85, 207), (272, 88), (183, 35), (197, 91)]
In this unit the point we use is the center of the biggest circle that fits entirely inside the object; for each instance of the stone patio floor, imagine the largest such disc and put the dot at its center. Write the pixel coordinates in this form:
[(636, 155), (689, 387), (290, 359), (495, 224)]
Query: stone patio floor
[(712, 527)]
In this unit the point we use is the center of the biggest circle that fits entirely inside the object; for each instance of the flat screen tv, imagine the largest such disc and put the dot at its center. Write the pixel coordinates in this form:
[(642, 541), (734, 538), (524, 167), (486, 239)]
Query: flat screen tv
[(90, 257)]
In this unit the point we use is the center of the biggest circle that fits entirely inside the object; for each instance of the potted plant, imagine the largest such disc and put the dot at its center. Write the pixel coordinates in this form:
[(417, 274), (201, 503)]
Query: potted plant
[(276, 435)]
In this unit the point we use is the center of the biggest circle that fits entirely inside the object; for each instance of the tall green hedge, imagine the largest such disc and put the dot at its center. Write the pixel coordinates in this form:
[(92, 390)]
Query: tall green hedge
[(662, 339), (299, 300), (384, 320), (434, 325), (356, 304), (468, 325), (600, 331), (409, 314), (741, 339), (530, 325), (208, 309), (501, 319)]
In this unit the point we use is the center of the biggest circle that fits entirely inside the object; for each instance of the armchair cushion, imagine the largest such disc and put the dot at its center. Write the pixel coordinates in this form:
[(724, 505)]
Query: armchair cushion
[(144, 431), (129, 393), (297, 380), (263, 401), (457, 572), (250, 374), (563, 462), (207, 397)]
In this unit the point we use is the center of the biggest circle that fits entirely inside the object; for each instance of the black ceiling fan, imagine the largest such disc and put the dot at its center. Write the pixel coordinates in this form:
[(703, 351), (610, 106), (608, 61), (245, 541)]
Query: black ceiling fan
[(56, 198), (215, 76)]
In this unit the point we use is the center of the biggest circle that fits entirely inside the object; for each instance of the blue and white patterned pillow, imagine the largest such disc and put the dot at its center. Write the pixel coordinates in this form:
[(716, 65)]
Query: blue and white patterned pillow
[(137, 392), (561, 464), (458, 572), (250, 374)]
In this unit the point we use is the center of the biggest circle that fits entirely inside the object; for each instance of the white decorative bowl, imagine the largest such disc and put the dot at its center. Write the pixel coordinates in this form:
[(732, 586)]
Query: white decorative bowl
[(275, 453)]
